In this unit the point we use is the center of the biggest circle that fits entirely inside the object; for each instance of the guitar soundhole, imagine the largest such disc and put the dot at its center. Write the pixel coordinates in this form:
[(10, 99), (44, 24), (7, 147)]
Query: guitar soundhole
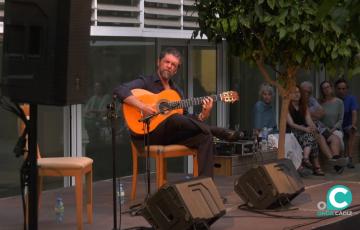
[(164, 107)]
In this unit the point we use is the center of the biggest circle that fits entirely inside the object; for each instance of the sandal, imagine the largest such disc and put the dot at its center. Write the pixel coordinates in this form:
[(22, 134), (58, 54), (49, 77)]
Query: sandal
[(318, 172), (303, 172), (306, 162)]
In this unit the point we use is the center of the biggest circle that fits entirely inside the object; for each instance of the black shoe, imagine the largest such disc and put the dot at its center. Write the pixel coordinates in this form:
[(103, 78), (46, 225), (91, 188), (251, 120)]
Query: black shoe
[(226, 134), (339, 161), (350, 165), (339, 169)]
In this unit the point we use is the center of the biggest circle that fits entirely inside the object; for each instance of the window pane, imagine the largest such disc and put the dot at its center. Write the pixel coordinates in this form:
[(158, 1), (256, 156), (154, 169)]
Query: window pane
[(50, 140), (112, 61), (204, 76), (246, 80)]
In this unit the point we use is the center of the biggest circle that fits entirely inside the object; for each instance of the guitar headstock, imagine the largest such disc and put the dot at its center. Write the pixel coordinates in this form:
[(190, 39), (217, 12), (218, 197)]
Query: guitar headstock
[(229, 96)]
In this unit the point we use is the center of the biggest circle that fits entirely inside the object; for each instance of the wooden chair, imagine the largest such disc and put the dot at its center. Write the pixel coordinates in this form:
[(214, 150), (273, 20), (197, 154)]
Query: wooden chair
[(160, 153), (67, 166)]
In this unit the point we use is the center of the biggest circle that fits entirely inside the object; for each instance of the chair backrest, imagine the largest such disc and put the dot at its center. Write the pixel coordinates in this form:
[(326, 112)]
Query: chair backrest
[(21, 128)]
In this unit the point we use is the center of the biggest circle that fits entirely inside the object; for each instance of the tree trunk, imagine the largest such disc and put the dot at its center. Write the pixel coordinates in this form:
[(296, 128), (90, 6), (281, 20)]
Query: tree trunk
[(282, 126)]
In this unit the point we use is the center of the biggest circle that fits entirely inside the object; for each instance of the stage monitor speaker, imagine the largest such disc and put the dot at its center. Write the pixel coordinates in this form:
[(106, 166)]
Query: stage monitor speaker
[(191, 204), (45, 51), (269, 185)]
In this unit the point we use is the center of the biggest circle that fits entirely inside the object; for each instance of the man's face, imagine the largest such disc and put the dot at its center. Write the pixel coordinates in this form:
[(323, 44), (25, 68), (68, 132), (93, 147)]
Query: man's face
[(341, 90), (307, 91), (168, 66)]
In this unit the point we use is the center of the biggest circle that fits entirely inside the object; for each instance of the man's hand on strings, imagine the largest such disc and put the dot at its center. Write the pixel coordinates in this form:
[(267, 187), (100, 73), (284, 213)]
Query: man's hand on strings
[(207, 105)]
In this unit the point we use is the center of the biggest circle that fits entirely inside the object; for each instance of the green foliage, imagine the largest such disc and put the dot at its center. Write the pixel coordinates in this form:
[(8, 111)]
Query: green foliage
[(301, 33), (344, 12)]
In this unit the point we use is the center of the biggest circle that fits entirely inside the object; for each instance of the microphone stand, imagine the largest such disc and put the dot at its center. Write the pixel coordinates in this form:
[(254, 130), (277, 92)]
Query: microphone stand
[(33, 171), (111, 115), (146, 121)]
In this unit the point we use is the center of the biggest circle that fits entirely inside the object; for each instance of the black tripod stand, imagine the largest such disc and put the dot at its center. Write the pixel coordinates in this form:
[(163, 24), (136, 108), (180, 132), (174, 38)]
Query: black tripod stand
[(112, 116), (146, 122)]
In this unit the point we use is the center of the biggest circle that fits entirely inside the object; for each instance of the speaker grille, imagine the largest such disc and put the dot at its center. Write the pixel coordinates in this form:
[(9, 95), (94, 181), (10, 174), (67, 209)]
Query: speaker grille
[(269, 185), (184, 205)]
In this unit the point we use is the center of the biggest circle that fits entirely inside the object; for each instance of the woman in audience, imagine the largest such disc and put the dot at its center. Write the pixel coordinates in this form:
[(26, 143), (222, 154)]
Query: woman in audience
[(300, 123), (264, 114), (329, 146), (333, 117)]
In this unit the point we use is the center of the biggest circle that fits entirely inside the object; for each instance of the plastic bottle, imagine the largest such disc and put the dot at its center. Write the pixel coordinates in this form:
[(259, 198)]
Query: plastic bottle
[(121, 193), (264, 139), (265, 133), (59, 210)]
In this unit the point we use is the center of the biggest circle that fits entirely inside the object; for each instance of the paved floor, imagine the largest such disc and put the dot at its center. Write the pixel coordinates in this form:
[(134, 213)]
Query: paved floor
[(303, 206)]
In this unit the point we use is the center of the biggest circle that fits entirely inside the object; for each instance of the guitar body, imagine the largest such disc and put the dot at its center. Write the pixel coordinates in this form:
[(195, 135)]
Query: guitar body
[(132, 114)]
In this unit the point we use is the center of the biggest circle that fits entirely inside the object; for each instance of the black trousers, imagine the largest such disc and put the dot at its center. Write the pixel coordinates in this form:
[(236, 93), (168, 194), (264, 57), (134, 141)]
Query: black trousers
[(185, 130)]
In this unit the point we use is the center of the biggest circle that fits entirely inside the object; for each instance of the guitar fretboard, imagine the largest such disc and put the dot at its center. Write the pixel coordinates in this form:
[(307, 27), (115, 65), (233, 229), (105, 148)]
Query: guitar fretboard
[(189, 102)]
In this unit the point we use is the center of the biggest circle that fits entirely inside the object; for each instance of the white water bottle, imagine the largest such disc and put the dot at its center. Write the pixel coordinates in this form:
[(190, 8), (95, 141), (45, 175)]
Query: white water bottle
[(59, 210), (121, 193), (264, 139)]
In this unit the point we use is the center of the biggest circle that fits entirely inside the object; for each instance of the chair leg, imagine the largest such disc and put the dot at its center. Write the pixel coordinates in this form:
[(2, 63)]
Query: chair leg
[(134, 177), (195, 166), (164, 175), (89, 189), (39, 189), (79, 200), (160, 172)]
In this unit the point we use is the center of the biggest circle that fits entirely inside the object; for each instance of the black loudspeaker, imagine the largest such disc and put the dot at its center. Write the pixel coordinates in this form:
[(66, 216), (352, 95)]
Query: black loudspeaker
[(269, 185), (191, 204), (45, 51)]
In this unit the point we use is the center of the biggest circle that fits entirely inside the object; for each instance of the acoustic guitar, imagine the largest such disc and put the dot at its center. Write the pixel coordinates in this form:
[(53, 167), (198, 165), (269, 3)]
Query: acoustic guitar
[(167, 102)]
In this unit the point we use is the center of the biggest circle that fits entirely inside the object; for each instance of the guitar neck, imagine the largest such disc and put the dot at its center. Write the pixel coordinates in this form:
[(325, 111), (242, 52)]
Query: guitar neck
[(191, 102)]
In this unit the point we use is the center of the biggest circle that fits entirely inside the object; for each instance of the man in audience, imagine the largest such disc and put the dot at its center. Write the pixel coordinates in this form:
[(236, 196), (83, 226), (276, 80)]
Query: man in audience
[(350, 117)]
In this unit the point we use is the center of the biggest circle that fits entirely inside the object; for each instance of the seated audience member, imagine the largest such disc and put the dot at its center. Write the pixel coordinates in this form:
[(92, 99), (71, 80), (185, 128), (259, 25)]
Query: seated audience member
[(264, 114), (349, 125), (300, 123), (328, 146), (334, 112)]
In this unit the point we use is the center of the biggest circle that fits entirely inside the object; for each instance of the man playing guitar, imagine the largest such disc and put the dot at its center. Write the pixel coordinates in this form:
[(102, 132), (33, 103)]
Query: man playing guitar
[(185, 129)]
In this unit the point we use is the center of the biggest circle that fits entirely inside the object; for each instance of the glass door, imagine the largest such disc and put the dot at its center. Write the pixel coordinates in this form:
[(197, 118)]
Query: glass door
[(196, 77), (202, 72)]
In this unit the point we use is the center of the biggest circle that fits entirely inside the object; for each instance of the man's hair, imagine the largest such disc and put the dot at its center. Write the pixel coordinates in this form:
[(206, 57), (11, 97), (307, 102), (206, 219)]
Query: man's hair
[(171, 51), (307, 83), (341, 80)]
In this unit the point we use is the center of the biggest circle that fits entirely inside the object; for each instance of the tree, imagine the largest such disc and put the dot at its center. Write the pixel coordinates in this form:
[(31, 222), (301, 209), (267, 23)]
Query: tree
[(286, 35), (342, 12)]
